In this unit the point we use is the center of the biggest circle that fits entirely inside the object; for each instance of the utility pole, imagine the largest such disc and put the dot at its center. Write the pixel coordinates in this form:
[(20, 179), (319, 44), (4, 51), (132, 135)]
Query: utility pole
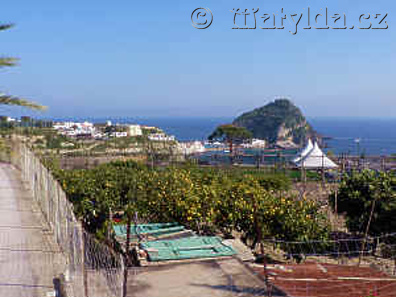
[(323, 172), (302, 168), (257, 157), (383, 167), (357, 140)]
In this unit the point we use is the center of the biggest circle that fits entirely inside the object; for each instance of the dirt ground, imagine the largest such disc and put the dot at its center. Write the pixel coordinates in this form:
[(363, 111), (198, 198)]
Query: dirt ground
[(331, 280)]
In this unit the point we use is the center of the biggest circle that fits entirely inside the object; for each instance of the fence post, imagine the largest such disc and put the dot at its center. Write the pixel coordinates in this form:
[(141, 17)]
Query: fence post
[(84, 270), (367, 231), (126, 263), (394, 268)]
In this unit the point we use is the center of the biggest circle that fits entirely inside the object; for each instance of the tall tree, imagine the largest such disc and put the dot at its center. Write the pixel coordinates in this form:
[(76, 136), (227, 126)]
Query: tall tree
[(8, 99), (230, 134)]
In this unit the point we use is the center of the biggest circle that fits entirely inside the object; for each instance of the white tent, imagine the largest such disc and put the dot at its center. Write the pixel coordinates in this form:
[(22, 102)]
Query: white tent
[(304, 152), (316, 159)]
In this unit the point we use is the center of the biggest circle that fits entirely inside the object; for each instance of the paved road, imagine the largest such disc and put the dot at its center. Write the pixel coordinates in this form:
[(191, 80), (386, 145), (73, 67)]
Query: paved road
[(214, 278), (29, 261)]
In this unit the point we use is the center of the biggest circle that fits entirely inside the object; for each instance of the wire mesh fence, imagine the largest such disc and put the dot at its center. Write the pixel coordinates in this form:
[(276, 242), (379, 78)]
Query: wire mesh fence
[(93, 268), (338, 266), (334, 249)]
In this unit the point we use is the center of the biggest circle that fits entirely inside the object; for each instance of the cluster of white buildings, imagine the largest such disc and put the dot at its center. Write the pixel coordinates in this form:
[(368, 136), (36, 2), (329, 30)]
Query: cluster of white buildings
[(75, 129), (89, 130), (190, 148), (161, 137), (9, 119), (129, 131), (255, 143)]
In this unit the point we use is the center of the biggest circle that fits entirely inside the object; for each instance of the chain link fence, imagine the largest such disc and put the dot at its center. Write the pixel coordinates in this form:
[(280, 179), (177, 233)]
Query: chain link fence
[(93, 268)]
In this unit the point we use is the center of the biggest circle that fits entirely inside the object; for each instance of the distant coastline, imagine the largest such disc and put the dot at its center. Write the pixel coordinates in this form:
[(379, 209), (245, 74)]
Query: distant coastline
[(377, 135)]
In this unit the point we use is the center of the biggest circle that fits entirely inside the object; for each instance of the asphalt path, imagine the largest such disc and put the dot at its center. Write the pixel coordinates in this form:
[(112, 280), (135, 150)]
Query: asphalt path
[(29, 260)]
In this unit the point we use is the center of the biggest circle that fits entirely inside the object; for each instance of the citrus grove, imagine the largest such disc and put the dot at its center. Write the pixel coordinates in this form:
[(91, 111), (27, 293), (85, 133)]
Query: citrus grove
[(209, 201)]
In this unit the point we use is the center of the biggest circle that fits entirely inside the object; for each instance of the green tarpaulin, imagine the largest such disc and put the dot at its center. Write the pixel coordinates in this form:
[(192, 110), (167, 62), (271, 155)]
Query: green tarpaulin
[(187, 248), (154, 230)]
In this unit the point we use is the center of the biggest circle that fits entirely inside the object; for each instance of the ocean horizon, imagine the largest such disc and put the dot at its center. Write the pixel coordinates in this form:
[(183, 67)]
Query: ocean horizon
[(377, 136)]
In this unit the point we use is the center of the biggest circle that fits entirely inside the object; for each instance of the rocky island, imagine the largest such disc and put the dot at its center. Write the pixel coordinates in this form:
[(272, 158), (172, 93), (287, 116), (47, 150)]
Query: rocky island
[(279, 123)]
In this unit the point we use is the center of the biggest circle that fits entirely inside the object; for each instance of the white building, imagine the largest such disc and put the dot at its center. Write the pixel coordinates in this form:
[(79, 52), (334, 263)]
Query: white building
[(9, 119), (135, 130), (69, 133), (161, 137), (189, 148), (119, 134), (255, 143), (98, 135), (64, 125)]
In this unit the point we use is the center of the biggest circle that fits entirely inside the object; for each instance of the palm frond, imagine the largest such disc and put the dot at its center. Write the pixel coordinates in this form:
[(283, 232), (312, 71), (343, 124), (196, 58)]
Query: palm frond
[(11, 100), (7, 62)]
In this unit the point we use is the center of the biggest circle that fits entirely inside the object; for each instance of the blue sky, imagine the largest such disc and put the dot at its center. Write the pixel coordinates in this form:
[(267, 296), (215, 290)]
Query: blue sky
[(144, 58)]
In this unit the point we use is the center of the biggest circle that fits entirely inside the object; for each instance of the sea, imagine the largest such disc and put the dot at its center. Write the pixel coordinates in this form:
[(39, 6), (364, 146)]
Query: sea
[(368, 136)]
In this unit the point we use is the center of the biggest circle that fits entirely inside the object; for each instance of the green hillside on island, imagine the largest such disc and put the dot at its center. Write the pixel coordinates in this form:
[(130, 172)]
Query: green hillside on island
[(278, 121)]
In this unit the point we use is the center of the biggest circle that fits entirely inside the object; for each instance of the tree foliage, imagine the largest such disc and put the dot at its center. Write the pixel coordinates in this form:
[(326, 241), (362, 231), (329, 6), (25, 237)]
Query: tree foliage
[(207, 201), (356, 195), (231, 134)]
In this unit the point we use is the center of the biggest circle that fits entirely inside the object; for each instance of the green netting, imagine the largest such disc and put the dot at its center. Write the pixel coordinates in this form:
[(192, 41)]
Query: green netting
[(187, 248), (149, 229)]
